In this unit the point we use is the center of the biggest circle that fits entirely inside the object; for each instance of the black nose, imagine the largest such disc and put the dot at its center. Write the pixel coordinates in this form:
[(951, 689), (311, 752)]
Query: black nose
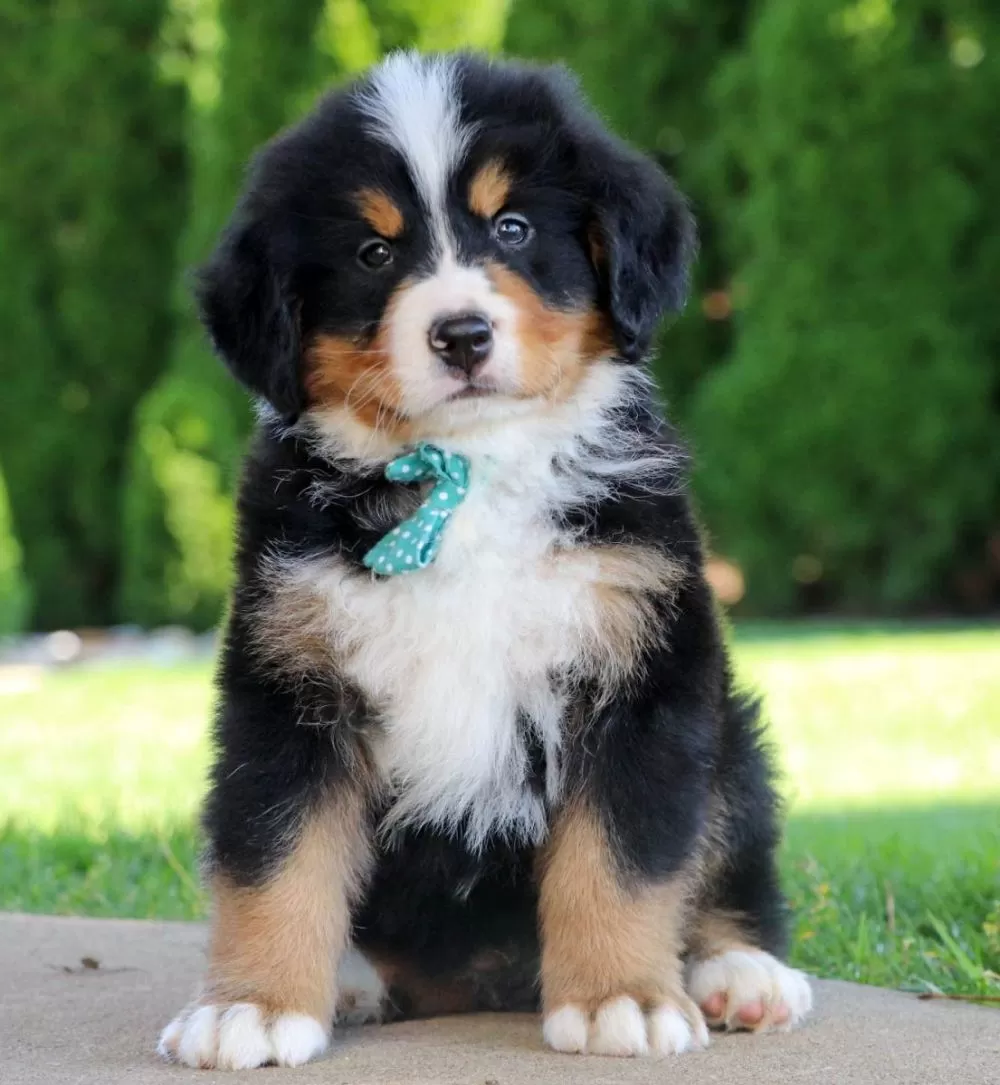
[(463, 341)]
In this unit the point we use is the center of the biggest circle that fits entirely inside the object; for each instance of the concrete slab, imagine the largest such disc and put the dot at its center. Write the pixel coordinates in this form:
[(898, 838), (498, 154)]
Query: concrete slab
[(62, 1022)]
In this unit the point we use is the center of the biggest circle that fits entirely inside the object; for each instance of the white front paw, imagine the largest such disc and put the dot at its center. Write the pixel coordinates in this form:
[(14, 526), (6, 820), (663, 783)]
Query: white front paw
[(240, 1037), (749, 989), (621, 1028)]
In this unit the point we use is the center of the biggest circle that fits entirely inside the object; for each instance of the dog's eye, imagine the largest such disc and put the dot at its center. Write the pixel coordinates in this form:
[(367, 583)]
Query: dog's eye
[(511, 230), (375, 254)]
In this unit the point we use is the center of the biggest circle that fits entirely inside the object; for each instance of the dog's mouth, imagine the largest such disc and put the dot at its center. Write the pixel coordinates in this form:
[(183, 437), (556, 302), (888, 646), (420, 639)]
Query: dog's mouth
[(473, 391)]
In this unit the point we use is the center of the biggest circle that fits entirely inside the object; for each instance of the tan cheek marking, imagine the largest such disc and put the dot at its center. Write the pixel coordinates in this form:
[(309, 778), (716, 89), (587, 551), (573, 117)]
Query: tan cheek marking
[(342, 373), (602, 938), (489, 189), (277, 945), (555, 346), (380, 212)]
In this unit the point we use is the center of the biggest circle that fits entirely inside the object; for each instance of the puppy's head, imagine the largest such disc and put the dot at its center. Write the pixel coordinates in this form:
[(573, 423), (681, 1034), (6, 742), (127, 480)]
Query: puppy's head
[(443, 234)]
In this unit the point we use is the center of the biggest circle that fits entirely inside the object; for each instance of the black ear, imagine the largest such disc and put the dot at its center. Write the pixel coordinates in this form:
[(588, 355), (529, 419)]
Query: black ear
[(644, 245), (248, 308)]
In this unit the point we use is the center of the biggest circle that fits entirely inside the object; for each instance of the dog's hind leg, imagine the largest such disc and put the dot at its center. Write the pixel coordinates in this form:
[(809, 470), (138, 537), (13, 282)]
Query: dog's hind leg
[(737, 933)]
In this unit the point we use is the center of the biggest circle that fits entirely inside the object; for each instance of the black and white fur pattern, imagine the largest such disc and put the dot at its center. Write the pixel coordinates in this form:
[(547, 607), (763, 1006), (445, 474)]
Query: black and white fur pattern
[(524, 770)]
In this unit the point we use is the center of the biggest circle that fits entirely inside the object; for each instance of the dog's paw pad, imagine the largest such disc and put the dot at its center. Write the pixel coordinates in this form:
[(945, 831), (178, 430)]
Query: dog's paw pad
[(749, 989), (238, 1037)]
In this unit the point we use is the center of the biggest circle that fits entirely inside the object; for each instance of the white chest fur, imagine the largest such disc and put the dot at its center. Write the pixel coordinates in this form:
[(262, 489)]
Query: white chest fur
[(460, 658)]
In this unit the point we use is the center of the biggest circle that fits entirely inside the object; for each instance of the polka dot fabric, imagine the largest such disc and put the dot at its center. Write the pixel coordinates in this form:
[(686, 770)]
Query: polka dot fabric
[(415, 543)]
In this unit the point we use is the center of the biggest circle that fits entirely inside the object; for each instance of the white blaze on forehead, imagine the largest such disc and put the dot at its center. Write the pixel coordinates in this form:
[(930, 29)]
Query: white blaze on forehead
[(412, 102)]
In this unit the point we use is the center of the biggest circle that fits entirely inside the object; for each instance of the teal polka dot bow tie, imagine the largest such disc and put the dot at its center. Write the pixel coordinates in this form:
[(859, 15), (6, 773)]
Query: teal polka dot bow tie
[(415, 543)]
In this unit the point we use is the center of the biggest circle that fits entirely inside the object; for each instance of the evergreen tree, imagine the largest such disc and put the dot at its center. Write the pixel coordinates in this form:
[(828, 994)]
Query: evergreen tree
[(256, 60), (90, 191), (849, 444), (13, 589)]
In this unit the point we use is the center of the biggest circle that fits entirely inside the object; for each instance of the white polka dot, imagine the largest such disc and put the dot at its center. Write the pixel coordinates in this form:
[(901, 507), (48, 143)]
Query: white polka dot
[(461, 490), (381, 560), (399, 553), (406, 534), (405, 468), (427, 528), (443, 495), (395, 531), (409, 560), (388, 568)]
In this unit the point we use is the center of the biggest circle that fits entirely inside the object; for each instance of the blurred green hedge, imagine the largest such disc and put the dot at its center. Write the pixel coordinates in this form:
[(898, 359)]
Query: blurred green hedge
[(848, 446), (92, 172), (14, 597), (837, 370), (244, 83)]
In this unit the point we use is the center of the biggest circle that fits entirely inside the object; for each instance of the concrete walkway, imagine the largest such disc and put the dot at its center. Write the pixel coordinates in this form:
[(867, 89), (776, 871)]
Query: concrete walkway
[(63, 1020)]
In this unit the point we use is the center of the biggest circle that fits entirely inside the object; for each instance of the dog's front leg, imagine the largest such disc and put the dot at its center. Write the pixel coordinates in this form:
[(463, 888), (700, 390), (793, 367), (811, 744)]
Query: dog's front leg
[(269, 994), (612, 979)]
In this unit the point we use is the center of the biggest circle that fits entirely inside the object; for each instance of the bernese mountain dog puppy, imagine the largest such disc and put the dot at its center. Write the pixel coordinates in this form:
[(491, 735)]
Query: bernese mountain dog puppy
[(478, 745)]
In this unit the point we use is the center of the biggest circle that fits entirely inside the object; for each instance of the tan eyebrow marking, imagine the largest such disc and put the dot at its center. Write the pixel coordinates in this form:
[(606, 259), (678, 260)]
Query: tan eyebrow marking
[(380, 212), (490, 188)]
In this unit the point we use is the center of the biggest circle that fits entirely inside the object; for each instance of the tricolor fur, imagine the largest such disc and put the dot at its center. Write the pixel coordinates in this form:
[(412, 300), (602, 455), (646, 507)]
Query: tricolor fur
[(522, 774)]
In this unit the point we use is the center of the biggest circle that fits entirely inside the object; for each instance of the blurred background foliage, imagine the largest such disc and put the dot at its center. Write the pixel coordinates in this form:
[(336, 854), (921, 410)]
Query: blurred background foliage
[(837, 370)]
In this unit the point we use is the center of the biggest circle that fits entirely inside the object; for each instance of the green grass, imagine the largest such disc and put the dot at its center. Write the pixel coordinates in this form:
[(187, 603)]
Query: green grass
[(888, 740)]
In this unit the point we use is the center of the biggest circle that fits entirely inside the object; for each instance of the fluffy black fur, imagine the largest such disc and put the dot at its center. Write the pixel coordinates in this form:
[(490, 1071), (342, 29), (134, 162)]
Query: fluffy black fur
[(656, 759)]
